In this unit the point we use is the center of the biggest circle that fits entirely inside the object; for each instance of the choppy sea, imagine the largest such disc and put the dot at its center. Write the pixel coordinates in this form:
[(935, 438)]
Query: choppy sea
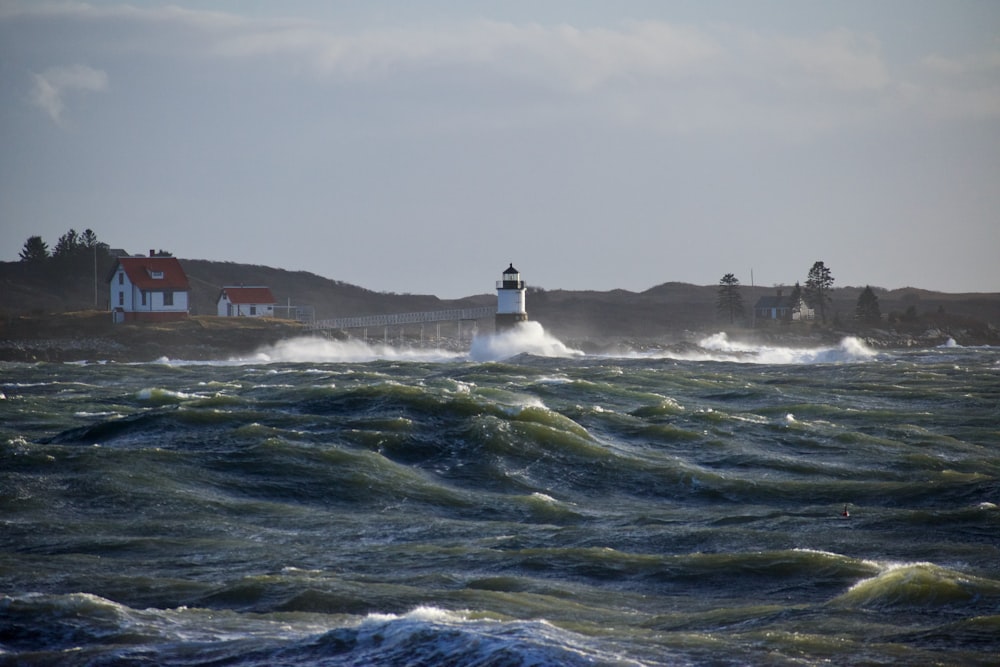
[(518, 504)]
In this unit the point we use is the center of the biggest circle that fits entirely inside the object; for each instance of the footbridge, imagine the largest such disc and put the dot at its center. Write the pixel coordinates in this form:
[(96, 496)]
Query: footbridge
[(437, 317)]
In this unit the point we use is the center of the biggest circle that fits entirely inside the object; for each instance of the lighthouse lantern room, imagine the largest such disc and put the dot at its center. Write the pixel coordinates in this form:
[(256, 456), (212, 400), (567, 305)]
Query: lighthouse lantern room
[(510, 300)]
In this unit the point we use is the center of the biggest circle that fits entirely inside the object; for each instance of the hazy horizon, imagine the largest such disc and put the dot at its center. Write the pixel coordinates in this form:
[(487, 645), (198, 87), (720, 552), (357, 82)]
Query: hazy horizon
[(421, 148)]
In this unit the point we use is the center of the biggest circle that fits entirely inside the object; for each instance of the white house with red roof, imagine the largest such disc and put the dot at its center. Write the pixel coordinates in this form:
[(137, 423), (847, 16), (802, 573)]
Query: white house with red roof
[(240, 301), (153, 288)]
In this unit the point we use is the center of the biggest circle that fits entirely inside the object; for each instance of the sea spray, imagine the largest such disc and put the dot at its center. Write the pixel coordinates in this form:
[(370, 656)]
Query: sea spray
[(718, 347), (321, 350), (531, 338), (525, 338)]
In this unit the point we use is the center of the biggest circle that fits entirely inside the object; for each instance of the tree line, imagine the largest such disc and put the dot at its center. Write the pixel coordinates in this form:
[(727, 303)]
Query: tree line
[(70, 245), (76, 260), (73, 248), (815, 294)]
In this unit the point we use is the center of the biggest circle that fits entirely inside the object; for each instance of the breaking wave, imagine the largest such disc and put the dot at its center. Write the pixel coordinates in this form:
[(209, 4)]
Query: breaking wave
[(532, 339), (718, 347), (314, 349), (525, 338)]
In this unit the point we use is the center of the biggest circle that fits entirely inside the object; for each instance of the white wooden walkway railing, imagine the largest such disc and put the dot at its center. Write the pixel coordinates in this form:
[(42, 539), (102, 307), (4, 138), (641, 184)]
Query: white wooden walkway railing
[(364, 321)]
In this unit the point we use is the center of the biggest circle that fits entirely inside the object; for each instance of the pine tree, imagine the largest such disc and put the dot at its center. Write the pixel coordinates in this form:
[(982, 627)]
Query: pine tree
[(35, 250), (67, 244), (730, 300), (817, 290), (867, 310), (88, 239), (795, 300)]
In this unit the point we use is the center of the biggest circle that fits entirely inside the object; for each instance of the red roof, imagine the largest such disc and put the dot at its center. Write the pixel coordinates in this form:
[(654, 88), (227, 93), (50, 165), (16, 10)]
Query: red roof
[(168, 272), (249, 295)]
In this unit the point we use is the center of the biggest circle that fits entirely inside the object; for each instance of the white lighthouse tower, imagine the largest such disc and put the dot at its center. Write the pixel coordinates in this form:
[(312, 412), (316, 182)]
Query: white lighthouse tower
[(510, 300)]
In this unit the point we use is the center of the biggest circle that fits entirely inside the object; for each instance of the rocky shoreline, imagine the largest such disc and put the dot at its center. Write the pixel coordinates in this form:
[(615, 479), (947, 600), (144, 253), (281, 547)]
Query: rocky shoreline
[(92, 338), (201, 339)]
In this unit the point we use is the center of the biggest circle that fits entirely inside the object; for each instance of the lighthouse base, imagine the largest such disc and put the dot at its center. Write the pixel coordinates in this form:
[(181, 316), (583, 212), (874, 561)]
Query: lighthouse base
[(507, 321)]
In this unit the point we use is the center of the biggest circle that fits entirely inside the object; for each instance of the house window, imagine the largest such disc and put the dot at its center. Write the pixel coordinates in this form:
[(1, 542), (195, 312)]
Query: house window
[(121, 278), (121, 298), (168, 298), (144, 297), (253, 310), (156, 275)]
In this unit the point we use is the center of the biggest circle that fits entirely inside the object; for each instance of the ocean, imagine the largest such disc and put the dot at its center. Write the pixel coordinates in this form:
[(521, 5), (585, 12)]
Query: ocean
[(518, 503)]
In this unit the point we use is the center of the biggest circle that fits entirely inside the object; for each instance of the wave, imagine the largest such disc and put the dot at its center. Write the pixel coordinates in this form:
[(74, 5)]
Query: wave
[(921, 585), (314, 349), (88, 629), (526, 338), (719, 347), (531, 339), (429, 635)]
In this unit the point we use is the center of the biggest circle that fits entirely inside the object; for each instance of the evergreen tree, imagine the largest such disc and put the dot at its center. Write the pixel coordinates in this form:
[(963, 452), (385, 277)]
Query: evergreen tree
[(35, 250), (88, 239), (730, 300), (67, 244), (794, 299), (796, 294), (867, 310), (817, 290)]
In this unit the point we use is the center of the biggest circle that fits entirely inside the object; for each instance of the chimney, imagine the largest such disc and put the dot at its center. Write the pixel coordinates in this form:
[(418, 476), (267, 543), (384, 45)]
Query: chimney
[(152, 253)]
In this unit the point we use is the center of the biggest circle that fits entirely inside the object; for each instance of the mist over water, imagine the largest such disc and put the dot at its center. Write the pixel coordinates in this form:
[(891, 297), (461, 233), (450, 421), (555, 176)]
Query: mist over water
[(519, 503)]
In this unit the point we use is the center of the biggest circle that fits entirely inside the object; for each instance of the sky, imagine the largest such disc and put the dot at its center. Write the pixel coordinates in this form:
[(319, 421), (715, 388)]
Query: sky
[(421, 147)]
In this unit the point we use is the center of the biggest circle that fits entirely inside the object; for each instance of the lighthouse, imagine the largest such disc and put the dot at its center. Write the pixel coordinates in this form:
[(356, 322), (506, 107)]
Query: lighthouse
[(510, 300)]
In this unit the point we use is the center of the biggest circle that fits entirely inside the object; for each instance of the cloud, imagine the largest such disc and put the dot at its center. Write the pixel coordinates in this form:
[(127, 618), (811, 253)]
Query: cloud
[(49, 89), (562, 57), (975, 64), (668, 76)]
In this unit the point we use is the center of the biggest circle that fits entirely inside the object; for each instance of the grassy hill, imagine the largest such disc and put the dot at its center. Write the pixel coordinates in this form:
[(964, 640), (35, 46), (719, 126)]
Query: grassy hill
[(328, 298), (677, 307), (60, 287)]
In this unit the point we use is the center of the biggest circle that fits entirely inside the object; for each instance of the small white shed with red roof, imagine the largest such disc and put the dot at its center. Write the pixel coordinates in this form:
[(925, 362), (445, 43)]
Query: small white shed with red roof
[(243, 301)]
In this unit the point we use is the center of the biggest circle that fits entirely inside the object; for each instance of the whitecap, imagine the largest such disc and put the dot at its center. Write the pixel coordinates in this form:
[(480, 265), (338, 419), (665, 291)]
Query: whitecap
[(719, 347)]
